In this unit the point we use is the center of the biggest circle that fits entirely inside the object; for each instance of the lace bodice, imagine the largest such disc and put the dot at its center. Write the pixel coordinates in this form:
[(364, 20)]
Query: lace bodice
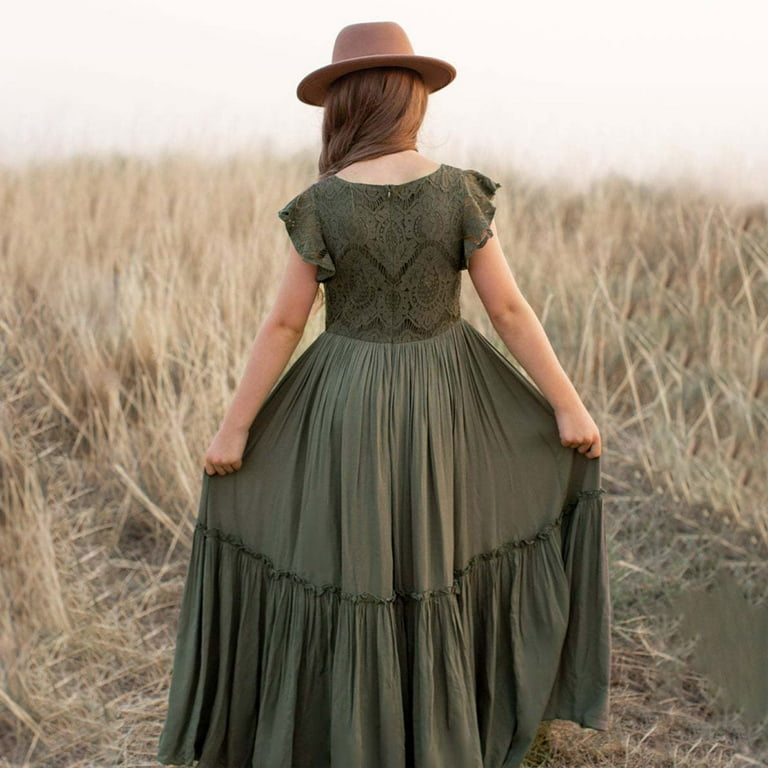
[(390, 255)]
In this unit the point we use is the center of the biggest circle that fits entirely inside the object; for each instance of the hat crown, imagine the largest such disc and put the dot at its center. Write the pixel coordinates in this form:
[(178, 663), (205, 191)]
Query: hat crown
[(373, 38)]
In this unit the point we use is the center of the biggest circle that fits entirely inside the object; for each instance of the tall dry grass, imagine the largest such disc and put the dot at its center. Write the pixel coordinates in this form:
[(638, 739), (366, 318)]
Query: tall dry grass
[(130, 291)]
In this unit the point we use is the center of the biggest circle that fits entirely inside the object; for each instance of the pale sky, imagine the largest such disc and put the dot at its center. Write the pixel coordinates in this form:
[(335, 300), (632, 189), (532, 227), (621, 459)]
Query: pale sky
[(650, 89)]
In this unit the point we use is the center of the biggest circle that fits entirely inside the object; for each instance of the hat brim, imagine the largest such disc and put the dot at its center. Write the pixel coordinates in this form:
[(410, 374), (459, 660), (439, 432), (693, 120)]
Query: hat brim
[(435, 72)]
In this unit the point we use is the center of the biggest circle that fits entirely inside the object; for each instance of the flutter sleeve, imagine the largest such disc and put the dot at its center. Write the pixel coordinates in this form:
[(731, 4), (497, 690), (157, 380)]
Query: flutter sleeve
[(303, 226), (478, 212)]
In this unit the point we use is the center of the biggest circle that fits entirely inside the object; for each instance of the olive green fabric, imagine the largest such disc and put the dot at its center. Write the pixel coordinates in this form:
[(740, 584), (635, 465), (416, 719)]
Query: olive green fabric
[(409, 570)]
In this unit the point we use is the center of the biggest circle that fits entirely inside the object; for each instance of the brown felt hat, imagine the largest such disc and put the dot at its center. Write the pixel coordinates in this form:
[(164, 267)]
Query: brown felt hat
[(372, 44)]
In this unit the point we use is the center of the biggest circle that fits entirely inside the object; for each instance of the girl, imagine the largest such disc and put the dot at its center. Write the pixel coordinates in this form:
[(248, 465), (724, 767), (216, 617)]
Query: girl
[(399, 559)]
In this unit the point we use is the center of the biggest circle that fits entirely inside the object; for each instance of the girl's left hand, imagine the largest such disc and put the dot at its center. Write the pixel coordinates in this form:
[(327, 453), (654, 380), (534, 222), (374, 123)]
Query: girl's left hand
[(225, 453), (578, 430)]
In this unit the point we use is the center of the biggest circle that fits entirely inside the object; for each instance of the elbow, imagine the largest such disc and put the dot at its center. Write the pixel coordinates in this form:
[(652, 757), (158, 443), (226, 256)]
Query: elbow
[(287, 326), (293, 329), (504, 316)]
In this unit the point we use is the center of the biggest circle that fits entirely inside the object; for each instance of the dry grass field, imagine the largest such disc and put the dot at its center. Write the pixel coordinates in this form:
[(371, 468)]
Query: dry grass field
[(130, 292)]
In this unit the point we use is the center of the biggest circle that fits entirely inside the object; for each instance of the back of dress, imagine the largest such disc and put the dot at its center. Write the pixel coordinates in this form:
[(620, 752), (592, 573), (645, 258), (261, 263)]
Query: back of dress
[(409, 569), (391, 254)]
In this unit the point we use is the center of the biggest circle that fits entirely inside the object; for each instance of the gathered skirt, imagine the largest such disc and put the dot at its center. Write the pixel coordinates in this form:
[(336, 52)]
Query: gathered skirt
[(409, 570)]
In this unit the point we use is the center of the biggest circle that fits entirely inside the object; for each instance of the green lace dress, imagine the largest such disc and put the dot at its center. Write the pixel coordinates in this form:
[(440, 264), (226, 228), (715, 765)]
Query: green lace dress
[(409, 570)]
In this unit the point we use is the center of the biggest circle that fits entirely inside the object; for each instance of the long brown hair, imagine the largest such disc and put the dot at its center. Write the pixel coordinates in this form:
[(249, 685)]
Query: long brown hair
[(369, 113)]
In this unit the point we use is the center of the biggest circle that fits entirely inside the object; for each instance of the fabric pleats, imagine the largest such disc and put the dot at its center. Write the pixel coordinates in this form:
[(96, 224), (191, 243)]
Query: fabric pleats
[(408, 571)]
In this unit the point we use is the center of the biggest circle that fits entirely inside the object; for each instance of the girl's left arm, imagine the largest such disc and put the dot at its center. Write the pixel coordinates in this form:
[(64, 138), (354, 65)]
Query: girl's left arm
[(275, 342)]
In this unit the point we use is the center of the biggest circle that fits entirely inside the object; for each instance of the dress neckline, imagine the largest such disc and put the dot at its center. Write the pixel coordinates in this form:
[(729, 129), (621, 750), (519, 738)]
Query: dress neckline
[(402, 184)]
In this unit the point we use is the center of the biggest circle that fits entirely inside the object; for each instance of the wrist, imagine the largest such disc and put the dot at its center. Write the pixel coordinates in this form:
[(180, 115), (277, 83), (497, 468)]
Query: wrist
[(232, 423), (568, 404)]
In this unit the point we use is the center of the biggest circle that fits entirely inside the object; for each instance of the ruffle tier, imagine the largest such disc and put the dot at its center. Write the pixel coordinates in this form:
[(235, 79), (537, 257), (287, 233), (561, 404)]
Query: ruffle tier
[(275, 671)]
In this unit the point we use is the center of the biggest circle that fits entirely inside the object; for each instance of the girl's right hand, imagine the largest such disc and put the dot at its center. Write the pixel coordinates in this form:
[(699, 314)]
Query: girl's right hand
[(578, 430), (225, 453)]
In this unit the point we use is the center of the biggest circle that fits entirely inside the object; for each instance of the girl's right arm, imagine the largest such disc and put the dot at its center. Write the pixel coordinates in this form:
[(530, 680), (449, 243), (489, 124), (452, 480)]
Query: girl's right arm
[(521, 331)]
